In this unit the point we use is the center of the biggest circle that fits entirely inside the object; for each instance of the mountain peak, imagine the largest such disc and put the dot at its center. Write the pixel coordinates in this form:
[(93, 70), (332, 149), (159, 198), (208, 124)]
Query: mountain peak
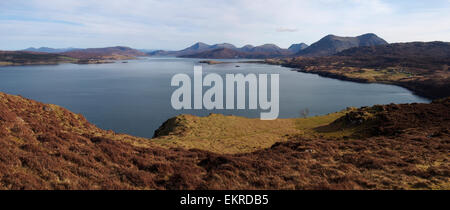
[(223, 45), (247, 48), (297, 47), (199, 45), (332, 44), (370, 39), (330, 36), (368, 35), (266, 48)]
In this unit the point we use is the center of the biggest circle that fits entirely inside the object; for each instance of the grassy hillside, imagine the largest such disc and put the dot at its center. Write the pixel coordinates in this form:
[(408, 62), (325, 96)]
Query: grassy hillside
[(233, 134), (406, 146)]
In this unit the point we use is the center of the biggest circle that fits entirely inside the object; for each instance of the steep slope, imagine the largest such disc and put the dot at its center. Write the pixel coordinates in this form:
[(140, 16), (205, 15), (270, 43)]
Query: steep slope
[(247, 48), (223, 45), (331, 44), (414, 50), (295, 48), (195, 48), (47, 147), (268, 48)]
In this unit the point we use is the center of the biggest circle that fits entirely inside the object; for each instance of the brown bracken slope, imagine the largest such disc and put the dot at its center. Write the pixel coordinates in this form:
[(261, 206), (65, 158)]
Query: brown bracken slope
[(396, 147)]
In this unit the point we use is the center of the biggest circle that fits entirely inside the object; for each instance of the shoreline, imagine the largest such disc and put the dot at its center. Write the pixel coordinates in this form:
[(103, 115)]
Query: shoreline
[(423, 90), (105, 60), (363, 81), (408, 86), (81, 62)]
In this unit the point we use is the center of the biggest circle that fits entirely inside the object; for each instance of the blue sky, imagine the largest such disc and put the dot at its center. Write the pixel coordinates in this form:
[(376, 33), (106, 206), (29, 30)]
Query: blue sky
[(175, 24)]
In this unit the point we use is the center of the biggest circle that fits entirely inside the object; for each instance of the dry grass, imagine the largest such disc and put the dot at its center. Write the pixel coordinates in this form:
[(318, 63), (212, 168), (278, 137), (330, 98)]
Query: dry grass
[(374, 75), (224, 134), (47, 147), (232, 134), (5, 63)]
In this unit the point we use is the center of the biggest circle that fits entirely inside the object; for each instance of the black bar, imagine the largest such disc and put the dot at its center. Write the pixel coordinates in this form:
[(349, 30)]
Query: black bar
[(225, 199)]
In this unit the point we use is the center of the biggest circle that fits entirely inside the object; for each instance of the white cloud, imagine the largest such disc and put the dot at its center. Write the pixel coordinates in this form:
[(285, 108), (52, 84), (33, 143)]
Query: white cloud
[(281, 29)]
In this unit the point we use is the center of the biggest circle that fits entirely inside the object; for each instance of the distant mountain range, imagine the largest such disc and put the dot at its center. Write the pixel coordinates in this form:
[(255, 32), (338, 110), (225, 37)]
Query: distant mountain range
[(62, 50), (226, 50), (147, 50), (329, 45), (50, 50), (80, 56), (116, 53)]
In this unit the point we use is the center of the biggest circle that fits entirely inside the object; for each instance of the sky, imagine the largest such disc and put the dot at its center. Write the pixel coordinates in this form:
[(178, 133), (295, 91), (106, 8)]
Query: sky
[(176, 24)]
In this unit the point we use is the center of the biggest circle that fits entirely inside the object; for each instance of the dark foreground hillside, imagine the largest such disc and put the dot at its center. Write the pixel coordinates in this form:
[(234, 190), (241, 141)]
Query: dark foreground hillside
[(395, 147)]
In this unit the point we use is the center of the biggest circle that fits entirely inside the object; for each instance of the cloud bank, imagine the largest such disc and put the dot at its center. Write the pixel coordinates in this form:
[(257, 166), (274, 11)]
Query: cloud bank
[(170, 24)]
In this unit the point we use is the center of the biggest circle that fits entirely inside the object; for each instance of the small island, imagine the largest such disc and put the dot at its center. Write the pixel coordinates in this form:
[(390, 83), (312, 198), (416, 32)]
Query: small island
[(211, 62)]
